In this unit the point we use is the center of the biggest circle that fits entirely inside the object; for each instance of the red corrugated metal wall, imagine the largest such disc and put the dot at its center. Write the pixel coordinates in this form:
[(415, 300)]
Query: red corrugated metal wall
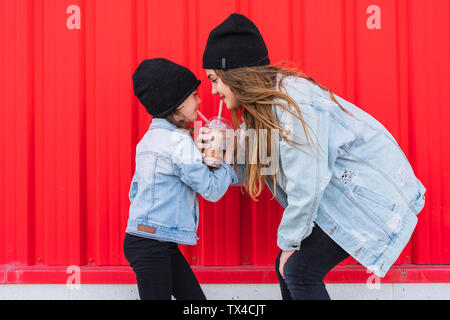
[(69, 122)]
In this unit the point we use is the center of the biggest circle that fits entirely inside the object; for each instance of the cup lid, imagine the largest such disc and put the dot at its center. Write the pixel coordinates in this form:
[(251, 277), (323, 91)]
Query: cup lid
[(219, 122)]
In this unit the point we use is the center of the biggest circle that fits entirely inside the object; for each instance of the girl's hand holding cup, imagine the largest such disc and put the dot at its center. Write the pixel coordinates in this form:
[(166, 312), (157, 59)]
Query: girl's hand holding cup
[(211, 140), (203, 140)]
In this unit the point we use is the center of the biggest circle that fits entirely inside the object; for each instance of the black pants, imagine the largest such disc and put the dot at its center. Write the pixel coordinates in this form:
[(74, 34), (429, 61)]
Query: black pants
[(161, 270), (306, 268)]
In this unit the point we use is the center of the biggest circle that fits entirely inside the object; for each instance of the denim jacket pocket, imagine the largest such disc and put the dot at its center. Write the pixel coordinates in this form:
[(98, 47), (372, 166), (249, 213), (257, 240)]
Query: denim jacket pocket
[(356, 216), (381, 210), (374, 197)]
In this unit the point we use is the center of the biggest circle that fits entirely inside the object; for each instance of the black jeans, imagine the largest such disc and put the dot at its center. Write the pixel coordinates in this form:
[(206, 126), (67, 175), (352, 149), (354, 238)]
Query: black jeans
[(161, 270), (306, 268)]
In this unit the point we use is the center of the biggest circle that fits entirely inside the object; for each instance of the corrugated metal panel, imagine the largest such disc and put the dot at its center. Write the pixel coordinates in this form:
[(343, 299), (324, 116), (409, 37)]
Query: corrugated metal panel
[(70, 122)]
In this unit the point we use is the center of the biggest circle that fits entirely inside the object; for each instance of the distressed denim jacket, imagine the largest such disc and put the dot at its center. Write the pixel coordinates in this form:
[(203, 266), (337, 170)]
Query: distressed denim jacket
[(168, 177), (358, 186)]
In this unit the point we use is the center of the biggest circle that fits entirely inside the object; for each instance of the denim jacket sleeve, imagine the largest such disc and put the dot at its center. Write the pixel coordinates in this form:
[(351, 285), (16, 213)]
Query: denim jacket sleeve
[(211, 184), (306, 173)]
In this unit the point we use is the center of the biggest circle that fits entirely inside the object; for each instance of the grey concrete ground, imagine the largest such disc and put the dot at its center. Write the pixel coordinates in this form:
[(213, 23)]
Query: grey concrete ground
[(383, 291)]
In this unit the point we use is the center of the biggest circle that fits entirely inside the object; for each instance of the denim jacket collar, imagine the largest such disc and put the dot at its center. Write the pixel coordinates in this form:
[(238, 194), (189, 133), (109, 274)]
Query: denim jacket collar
[(161, 123)]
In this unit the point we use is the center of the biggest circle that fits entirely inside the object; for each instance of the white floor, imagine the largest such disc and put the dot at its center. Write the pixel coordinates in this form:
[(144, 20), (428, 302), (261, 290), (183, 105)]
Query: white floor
[(384, 291)]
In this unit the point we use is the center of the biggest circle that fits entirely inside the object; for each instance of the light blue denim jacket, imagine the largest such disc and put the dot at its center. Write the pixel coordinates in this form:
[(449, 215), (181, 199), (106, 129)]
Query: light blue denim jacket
[(168, 177), (359, 188)]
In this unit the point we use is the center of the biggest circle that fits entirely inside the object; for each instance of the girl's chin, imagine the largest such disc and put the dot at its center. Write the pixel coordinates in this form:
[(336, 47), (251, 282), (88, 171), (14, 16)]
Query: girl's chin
[(232, 107), (229, 107)]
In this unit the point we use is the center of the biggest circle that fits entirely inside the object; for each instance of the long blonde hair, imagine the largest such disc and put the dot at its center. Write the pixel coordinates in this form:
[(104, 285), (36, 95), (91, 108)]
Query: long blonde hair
[(257, 89)]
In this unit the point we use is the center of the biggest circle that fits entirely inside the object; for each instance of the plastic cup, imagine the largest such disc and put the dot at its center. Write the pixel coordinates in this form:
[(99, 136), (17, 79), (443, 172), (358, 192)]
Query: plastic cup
[(214, 155)]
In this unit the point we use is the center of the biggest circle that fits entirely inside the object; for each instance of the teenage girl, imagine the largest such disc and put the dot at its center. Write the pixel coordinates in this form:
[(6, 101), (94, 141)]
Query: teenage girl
[(345, 185)]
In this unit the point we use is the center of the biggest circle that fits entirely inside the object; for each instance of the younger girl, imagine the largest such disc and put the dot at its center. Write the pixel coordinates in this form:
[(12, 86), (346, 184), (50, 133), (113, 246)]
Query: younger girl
[(169, 174)]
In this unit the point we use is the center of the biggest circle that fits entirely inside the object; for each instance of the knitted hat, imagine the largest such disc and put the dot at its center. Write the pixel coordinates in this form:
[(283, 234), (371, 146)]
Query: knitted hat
[(235, 43), (162, 85)]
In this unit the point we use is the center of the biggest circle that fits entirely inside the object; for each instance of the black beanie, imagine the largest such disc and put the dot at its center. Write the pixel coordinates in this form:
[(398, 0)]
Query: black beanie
[(162, 85), (235, 43)]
